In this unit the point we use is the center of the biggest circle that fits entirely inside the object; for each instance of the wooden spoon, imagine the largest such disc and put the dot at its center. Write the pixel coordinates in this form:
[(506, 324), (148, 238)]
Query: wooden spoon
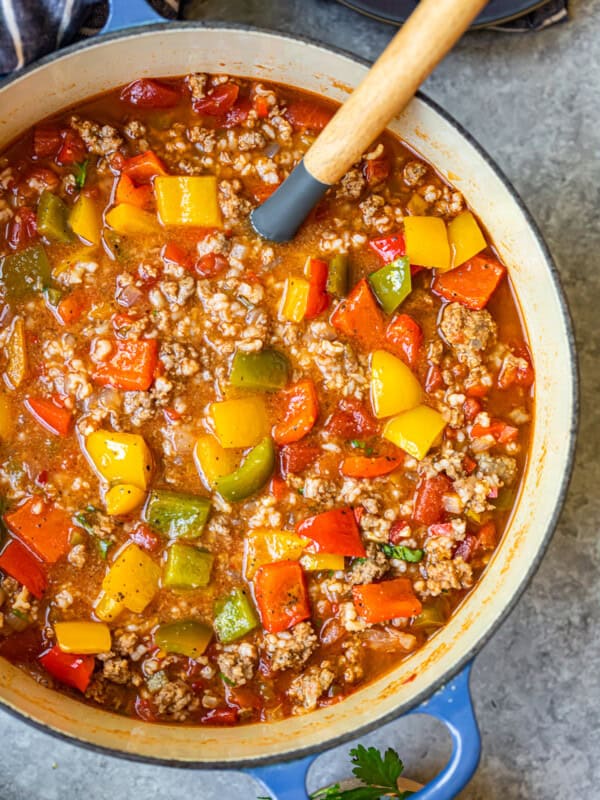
[(424, 39)]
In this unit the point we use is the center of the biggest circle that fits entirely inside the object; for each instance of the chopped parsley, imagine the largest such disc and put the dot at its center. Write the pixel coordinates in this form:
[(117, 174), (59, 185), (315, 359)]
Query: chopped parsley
[(226, 680), (358, 445), (402, 553), (81, 173)]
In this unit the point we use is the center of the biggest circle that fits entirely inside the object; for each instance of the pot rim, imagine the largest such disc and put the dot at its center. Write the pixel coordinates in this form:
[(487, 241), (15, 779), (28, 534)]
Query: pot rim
[(559, 500)]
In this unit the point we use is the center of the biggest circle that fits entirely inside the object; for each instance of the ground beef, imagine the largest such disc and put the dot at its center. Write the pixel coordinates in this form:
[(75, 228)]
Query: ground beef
[(352, 185), (413, 172), (116, 670), (306, 689), (351, 662), (290, 649), (369, 569), (196, 83), (175, 699), (238, 662), (99, 139), (502, 467), (440, 571), (469, 332)]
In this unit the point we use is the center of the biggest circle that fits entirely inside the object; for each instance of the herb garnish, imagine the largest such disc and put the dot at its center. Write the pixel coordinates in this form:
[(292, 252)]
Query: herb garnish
[(402, 552), (379, 775), (81, 173)]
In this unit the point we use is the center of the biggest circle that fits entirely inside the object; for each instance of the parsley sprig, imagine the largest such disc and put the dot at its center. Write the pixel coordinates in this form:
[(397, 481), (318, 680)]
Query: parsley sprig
[(81, 173), (378, 773), (402, 552)]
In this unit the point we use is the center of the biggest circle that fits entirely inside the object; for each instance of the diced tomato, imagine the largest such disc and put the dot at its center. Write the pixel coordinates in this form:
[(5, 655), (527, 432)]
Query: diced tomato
[(22, 228), (358, 315), (50, 415), (218, 101), (70, 669), (34, 181), (262, 191), (389, 248), (500, 430), (487, 536), (46, 141), (211, 264), (399, 530), (405, 337), (296, 457), (143, 168), (516, 369), (429, 499), (278, 488), (220, 716), (441, 529), (471, 407), (469, 465), (143, 708), (260, 105), (477, 390), (171, 414), (377, 170), (318, 299), (72, 149), (150, 93), (71, 307), (366, 467), (238, 114), (334, 531), (352, 420), (243, 697), (300, 406), (308, 115), (20, 564), (145, 537), (466, 549), (281, 595), (131, 366), (379, 602), (471, 284), (42, 526), (434, 379), (175, 254)]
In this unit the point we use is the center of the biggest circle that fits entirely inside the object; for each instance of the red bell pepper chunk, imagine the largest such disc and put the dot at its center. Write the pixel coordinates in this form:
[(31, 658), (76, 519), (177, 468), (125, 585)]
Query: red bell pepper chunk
[(21, 565), (389, 248), (400, 530), (471, 407), (72, 149), (434, 379), (70, 669), (365, 467), (405, 337), (22, 228), (131, 367), (281, 596), (145, 537), (428, 505), (175, 254), (300, 411), (296, 457), (352, 420), (500, 430), (379, 602), (142, 168), (221, 716), (53, 417), (305, 114), (150, 93), (360, 316), (334, 532), (42, 526), (46, 141), (472, 284), (318, 299), (218, 101)]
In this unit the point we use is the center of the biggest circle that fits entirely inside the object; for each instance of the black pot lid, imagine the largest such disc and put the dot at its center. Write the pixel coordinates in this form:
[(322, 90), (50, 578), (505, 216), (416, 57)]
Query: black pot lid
[(396, 11)]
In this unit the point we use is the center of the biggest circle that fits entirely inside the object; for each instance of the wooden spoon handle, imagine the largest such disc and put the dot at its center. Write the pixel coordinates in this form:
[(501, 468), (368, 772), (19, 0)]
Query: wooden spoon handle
[(426, 37)]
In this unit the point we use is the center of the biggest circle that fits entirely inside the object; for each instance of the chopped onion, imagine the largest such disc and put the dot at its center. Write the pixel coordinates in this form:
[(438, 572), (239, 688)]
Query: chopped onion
[(389, 639), (129, 296), (272, 149)]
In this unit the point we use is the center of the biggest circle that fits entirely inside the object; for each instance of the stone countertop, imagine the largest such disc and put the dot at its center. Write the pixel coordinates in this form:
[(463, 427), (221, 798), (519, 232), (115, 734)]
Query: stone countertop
[(532, 102)]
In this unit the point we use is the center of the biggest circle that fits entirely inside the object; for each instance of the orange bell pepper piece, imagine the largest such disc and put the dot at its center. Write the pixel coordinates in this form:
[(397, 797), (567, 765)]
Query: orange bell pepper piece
[(42, 526), (334, 532), (472, 284), (127, 192), (281, 595), (365, 467), (131, 366), (21, 565), (141, 169), (379, 602), (51, 416), (318, 299), (71, 307), (404, 338), (301, 409), (360, 316)]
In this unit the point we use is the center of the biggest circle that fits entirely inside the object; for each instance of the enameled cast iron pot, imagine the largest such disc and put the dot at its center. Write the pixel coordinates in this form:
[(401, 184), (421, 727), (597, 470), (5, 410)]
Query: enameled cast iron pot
[(279, 753)]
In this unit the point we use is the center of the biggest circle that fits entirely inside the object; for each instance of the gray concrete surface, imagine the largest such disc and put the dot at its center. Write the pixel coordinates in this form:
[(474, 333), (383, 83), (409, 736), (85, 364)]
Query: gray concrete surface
[(532, 101)]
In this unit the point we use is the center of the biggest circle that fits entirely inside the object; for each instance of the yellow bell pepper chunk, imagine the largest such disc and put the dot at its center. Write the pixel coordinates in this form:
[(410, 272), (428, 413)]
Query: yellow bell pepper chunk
[(427, 242), (314, 562), (85, 219), (6, 418), (132, 579), (465, 237), (81, 253), (240, 423), (128, 220), (294, 300), (107, 608), (394, 388), (417, 205), (84, 638), (188, 200), (213, 461), (120, 457), (415, 431), (123, 499), (16, 351), (266, 546)]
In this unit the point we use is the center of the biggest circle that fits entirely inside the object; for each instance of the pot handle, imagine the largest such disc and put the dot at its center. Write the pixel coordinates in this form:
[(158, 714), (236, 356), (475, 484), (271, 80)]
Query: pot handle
[(128, 13), (451, 704)]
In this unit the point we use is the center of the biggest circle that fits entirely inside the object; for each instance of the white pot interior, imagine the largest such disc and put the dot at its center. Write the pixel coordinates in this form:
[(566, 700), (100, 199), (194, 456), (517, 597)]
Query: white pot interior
[(181, 49)]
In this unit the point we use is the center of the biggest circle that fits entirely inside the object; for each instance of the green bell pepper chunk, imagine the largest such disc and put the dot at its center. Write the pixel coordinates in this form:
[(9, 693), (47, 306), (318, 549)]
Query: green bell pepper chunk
[(187, 567), (265, 371), (251, 475), (186, 637), (52, 218), (338, 275), (175, 514), (392, 284), (26, 271), (430, 617), (235, 616)]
